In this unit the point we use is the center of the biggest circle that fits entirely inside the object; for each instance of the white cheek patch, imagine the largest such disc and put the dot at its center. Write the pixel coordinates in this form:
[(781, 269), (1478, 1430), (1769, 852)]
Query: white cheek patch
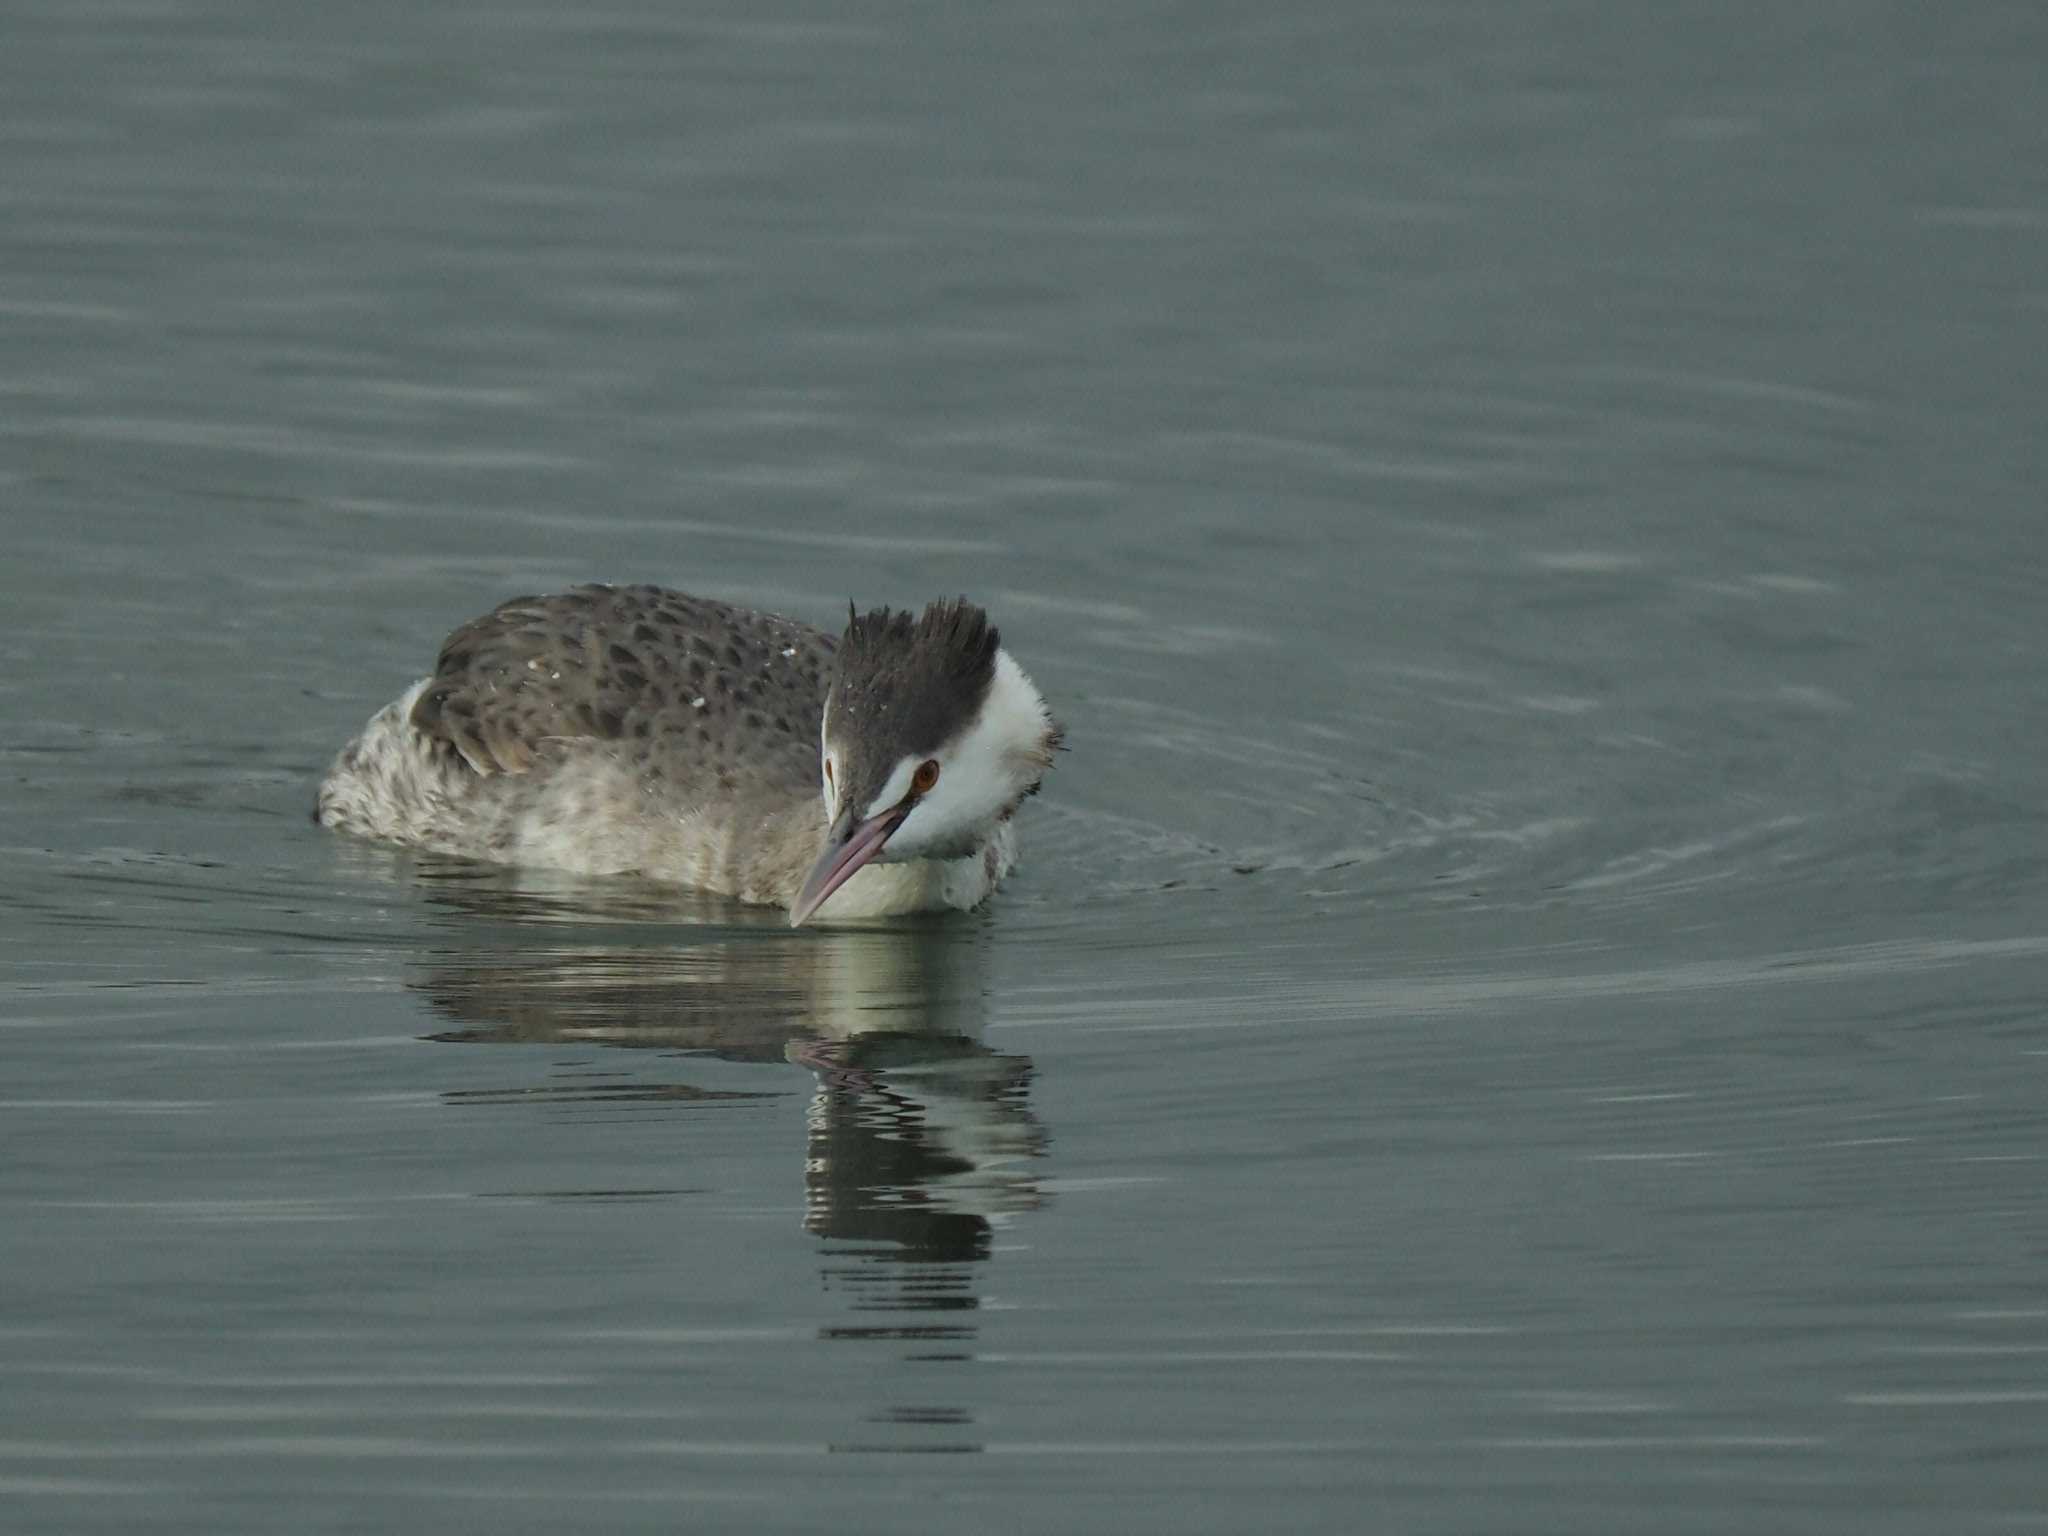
[(829, 780), (894, 788), (981, 773), (827, 757)]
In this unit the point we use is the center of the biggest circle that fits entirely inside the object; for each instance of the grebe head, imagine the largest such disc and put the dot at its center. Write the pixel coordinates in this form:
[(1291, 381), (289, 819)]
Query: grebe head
[(932, 737)]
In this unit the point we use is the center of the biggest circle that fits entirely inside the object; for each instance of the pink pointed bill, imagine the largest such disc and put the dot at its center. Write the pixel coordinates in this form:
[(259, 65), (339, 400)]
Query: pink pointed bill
[(842, 860)]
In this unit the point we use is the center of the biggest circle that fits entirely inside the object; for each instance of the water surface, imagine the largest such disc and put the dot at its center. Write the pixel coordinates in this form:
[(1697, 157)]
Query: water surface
[(1523, 1005)]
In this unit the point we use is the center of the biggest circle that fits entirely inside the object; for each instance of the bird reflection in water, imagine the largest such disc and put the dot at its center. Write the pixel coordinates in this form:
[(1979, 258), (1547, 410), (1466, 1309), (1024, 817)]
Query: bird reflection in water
[(921, 1139), (919, 1151)]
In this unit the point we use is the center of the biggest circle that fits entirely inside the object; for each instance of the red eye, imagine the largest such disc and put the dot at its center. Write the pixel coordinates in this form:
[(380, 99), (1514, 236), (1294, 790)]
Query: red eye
[(927, 775)]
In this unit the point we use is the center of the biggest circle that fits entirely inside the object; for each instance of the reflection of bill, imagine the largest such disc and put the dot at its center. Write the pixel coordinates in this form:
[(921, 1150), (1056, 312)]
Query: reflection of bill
[(920, 1135), (920, 1141)]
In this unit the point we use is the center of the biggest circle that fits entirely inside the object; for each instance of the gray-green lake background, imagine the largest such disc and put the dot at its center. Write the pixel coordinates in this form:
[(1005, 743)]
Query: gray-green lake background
[(1525, 1007)]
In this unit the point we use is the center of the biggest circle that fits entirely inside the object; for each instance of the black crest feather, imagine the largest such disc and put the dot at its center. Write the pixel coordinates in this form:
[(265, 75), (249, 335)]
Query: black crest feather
[(913, 682)]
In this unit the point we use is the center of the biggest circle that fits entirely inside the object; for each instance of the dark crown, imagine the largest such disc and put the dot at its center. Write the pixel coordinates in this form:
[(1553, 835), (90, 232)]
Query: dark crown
[(918, 680)]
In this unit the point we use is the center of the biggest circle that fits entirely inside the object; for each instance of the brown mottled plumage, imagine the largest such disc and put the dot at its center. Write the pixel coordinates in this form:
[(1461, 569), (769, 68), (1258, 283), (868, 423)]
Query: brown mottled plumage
[(612, 729), (708, 687)]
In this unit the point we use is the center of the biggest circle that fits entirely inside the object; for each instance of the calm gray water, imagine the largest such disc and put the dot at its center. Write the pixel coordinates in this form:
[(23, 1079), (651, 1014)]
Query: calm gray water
[(1526, 1007)]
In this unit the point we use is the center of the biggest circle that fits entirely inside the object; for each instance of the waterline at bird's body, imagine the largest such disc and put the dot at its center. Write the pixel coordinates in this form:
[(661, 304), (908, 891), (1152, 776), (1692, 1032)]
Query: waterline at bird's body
[(636, 730)]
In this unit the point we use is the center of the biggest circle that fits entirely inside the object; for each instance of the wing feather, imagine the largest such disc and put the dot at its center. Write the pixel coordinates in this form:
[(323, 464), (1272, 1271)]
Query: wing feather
[(707, 691)]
